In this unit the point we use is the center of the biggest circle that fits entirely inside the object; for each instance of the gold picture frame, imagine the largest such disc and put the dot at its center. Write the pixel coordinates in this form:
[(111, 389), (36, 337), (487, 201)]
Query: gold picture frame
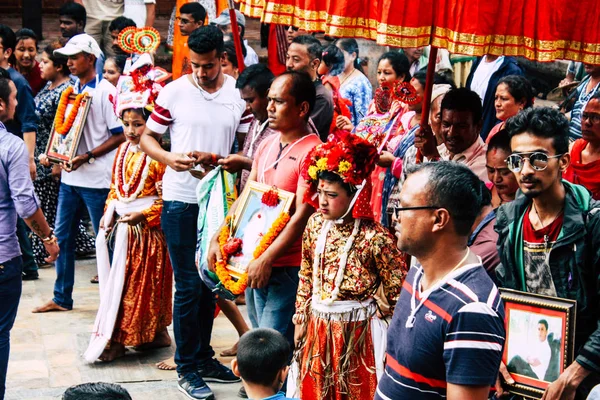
[(249, 212), (63, 148), (540, 340)]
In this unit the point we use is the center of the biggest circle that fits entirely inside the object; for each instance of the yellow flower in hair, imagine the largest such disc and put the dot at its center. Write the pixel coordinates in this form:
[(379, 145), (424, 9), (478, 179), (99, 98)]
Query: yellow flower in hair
[(312, 172), (344, 167), (322, 164)]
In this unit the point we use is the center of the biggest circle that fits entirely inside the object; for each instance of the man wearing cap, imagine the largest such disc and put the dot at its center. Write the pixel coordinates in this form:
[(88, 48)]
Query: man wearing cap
[(85, 181), (223, 22)]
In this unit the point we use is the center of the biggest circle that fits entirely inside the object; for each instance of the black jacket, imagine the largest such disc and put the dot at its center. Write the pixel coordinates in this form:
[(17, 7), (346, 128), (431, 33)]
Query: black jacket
[(574, 263)]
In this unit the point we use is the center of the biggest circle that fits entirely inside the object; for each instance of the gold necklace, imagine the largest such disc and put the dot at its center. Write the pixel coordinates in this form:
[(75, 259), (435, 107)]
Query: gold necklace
[(349, 75)]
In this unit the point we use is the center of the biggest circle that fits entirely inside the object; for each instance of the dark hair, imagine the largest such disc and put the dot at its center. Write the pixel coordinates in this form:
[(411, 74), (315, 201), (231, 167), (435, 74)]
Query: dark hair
[(399, 63), (261, 354), (9, 39), (302, 88), (500, 141), (456, 188), (350, 45), (333, 57), (544, 122), (96, 390), (333, 178), (229, 38), (443, 78), (257, 77), (463, 99), (543, 322), (25, 33), (229, 50), (195, 9), (313, 46), (120, 23), (421, 76), (75, 11), (206, 39), (486, 194), (58, 60), (5, 88), (520, 88), (119, 60), (145, 114)]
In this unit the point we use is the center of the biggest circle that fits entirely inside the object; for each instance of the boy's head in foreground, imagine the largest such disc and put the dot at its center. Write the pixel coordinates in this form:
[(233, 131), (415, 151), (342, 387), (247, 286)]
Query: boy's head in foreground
[(262, 359), (97, 390)]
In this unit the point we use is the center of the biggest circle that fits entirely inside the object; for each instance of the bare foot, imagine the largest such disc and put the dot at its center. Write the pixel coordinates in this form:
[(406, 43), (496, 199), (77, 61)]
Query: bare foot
[(48, 307), (115, 351), (230, 352), (162, 339), (167, 365)]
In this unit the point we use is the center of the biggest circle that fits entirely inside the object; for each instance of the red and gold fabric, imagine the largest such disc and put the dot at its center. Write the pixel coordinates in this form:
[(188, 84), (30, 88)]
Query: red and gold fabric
[(538, 30)]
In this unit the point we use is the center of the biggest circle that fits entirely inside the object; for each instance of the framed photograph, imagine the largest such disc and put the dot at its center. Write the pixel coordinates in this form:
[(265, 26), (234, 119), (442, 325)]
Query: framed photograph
[(540, 338), (252, 220), (63, 148)]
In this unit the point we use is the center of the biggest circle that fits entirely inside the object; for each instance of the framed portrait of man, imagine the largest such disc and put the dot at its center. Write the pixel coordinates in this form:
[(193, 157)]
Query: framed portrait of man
[(62, 147), (252, 221), (540, 338)]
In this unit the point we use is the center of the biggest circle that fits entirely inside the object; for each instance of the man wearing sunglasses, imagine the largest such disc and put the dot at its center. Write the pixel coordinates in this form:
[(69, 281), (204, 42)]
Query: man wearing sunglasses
[(585, 153), (549, 239)]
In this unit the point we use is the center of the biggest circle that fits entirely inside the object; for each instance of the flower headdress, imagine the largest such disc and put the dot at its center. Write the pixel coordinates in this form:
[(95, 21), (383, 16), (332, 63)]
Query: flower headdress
[(140, 85), (349, 156)]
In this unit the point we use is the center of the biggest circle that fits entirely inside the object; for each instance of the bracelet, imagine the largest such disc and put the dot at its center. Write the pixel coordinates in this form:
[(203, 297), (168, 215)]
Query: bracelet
[(50, 240), (298, 319), (213, 158)]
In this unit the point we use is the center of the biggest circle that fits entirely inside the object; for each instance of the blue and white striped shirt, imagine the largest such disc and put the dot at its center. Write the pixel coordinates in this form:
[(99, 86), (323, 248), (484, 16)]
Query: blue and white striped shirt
[(457, 336)]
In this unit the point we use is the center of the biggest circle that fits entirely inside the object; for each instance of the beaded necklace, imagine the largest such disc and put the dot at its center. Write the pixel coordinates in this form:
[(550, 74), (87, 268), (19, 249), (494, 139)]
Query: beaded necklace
[(137, 180)]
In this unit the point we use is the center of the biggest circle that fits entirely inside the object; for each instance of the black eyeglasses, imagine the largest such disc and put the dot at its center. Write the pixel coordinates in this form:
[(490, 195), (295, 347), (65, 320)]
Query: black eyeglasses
[(593, 117), (537, 160), (398, 209)]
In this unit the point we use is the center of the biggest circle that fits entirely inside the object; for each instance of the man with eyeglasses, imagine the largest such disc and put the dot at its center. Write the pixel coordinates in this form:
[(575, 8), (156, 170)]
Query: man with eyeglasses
[(549, 239), (446, 336), (191, 17), (585, 153)]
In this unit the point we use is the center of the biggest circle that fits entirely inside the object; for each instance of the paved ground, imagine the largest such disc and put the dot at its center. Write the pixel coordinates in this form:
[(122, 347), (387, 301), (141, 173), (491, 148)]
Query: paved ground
[(46, 349)]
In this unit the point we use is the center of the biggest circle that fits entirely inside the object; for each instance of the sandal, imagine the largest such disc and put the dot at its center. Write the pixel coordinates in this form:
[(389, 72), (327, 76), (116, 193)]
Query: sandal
[(95, 279)]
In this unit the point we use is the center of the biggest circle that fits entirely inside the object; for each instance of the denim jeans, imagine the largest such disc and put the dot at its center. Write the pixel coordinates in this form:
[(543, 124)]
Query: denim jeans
[(273, 306), (71, 203), (194, 303), (10, 293)]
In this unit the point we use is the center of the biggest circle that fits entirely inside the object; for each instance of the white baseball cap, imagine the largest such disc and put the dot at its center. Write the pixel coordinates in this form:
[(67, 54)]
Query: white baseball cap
[(82, 43)]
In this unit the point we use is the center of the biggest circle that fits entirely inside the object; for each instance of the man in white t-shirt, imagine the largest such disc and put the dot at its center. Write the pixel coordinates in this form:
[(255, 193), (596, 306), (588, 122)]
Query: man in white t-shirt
[(202, 110), (85, 182), (142, 12)]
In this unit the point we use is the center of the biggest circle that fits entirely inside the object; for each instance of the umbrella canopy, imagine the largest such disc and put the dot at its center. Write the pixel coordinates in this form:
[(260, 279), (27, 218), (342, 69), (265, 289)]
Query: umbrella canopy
[(541, 30)]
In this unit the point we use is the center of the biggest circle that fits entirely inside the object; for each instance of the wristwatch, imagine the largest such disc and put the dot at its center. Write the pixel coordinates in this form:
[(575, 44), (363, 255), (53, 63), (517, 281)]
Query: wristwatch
[(91, 157)]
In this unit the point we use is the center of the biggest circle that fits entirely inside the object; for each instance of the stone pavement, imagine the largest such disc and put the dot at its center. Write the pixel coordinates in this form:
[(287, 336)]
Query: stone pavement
[(46, 349)]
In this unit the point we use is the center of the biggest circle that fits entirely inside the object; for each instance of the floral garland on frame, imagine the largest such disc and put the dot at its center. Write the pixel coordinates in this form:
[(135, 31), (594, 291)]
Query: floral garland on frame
[(230, 246), (63, 124)]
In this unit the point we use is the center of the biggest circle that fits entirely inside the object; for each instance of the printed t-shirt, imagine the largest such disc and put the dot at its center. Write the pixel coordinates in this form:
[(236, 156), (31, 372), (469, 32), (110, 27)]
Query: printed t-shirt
[(457, 336), (536, 254), (285, 174), (100, 124), (198, 121)]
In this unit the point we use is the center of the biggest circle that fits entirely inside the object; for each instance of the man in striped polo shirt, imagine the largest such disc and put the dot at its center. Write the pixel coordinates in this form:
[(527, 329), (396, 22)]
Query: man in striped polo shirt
[(447, 333)]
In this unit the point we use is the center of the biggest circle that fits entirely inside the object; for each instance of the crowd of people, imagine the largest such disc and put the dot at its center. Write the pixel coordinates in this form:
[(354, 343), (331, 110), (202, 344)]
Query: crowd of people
[(407, 217)]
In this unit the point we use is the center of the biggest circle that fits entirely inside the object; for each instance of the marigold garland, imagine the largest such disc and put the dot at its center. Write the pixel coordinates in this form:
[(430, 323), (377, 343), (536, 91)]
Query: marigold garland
[(238, 287), (63, 125)]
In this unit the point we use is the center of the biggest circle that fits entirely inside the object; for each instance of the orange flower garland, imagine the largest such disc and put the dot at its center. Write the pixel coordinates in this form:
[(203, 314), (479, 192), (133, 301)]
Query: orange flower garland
[(238, 287), (62, 125)]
